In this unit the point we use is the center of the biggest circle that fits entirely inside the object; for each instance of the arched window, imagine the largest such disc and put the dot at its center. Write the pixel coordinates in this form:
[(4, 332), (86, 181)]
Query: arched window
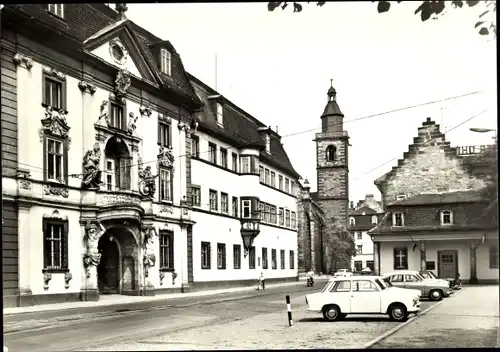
[(352, 221), (374, 219), (117, 165), (331, 153), (446, 217)]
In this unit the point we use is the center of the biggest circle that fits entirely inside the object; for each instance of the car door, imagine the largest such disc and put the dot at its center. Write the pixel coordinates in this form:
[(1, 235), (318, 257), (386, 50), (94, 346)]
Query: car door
[(365, 297), (411, 281), (397, 280), (340, 294)]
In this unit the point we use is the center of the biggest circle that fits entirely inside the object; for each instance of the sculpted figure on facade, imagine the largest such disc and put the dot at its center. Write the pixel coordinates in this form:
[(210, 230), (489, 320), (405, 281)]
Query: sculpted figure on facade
[(103, 114), (92, 257), (91, 172), (147, 183), (149, 236), (166, 157), (132, 123), (55, 123), (122, 82)]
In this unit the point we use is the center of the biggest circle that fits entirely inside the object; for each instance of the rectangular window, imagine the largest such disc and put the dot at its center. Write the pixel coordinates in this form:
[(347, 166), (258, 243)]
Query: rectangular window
[(292, 260), (221, 256), (246, 208), (273, 214), (398, 220), (493, 256), (235, 207), (273, 179), (251, 258), (281, 215), (359, 236), (213, 200), (220, 114), (166, 62), (109, 173), (234, 162), (55, 234), (287, 185), (287, 218), (282, 258), (358, 265), (274, 260), (261, 173), (56, 9), (237, 256), (212, 153), (245, 164), (267, 213), (224, 203), (264, 258), (223, 157), (166, 184), (196, 196), (166, 250), (292, 187), (400, 258), (53, 93), (266, 177), (205, 255), (261, 211), (370, 264), (195, 146), (293, 219), (359, 249), (55, 159), (164, 134), (117, 116), (280, 182)]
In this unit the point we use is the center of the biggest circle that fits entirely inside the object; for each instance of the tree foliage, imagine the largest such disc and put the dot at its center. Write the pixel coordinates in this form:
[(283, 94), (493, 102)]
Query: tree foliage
[(426, 9), (341, 246)]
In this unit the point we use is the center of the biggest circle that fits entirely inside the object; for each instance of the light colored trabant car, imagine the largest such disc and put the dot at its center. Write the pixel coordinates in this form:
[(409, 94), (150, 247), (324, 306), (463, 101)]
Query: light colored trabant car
[(434, 289), (342, 273), (363, 295)]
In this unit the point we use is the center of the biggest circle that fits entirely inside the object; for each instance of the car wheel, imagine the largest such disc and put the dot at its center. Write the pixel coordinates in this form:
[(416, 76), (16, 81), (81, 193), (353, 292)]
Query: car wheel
[(331, 313), (435, 295), (398, 312)]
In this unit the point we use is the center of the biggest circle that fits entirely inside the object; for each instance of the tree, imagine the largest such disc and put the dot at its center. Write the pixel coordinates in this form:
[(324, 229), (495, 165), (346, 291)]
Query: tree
[(426, 9), (341, 246)]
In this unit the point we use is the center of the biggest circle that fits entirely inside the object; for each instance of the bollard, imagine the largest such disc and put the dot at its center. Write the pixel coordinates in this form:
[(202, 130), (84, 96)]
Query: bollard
[(289, 308)]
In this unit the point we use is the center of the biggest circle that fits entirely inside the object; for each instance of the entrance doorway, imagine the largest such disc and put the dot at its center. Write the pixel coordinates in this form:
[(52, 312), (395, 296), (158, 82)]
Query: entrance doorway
[(109, 266), (447, 264)]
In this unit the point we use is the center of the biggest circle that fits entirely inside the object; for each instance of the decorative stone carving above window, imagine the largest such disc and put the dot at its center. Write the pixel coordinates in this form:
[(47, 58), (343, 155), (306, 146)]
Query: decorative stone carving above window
[(166, 157), (165, 208), (183, 126), (87, 87), (53, 72), (164, 118), (145, 111), (55, 124), (132, 123), (25, 184), (56, 191), (55, 215), (118, 52), (122, 83), (20, 59)]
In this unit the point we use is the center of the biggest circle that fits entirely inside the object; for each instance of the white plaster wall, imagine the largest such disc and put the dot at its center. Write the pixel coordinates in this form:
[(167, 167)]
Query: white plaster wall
[(483, 263), (387, 256), (75, 244), (104, 53), (218, 229)]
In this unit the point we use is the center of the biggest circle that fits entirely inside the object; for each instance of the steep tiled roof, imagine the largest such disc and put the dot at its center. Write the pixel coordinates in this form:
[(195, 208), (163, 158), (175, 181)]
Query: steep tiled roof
[(365, 209), (443, 198), (385, 229), (239, 127)]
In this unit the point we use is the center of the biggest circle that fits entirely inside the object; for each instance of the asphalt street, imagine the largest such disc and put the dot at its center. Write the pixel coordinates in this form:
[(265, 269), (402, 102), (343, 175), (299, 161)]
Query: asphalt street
[(198, 319)]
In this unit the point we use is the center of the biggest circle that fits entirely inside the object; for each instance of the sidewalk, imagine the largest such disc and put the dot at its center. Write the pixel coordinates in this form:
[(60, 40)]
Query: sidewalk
[(116, 300), (469, 318)]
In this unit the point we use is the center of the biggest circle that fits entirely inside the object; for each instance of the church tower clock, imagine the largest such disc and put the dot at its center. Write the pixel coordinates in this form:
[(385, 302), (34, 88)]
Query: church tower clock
[(332, 167)]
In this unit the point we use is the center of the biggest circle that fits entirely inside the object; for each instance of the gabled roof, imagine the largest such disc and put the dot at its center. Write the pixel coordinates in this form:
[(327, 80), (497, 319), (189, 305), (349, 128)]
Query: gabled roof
[(443, 198), (365, 209)]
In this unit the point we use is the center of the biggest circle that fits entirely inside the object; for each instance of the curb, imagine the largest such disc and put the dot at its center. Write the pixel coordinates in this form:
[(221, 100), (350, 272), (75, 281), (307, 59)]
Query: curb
[(400, 326)]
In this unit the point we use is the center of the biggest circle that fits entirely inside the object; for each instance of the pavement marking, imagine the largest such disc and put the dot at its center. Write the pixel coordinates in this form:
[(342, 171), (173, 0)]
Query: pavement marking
[(400, 326)]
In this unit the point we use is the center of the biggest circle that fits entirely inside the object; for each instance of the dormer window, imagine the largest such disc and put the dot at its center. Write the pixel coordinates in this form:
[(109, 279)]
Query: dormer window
[(374, 220), (397, 220), (166, 61), (352, 221), (268, 143), (446, 217), (220, 114), (331, 153), (56, 9), (400, 197)]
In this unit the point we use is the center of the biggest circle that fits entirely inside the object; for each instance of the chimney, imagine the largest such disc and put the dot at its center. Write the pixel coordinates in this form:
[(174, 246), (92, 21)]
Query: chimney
[(121, 8)]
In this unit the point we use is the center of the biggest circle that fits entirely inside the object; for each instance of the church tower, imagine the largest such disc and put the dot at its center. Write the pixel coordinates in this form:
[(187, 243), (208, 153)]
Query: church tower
[(332, 167)]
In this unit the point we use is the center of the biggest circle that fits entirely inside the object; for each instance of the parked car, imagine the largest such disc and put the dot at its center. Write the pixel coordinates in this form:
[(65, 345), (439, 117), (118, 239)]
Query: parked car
[(342, 273), (430, 275), (363, 295), (433, 289)]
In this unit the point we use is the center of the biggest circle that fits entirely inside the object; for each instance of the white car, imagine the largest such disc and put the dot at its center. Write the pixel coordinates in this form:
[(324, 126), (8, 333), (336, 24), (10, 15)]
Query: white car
[(434, 289), (363, 295), (342, 273)]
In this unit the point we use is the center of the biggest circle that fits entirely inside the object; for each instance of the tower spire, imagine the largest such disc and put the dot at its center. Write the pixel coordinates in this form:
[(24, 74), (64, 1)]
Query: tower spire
[(121, 8)]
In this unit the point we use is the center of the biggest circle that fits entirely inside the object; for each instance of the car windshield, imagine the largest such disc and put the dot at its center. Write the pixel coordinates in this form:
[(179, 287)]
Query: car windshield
[(328, 286), (381, 283), (387, 281), (420, 277), (431, 275)]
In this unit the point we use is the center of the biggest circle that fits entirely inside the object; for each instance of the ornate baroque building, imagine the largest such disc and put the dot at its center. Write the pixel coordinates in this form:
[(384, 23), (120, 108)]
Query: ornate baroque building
[(124, 174)]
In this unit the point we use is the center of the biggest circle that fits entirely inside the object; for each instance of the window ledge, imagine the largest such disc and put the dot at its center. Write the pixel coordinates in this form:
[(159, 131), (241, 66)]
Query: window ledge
[(55, 271), (206, 268), (164, 270), (60, 110), (168, 202)]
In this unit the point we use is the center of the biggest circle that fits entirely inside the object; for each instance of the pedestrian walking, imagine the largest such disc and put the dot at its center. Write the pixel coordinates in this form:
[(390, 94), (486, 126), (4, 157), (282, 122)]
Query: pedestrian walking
[(262, 281)]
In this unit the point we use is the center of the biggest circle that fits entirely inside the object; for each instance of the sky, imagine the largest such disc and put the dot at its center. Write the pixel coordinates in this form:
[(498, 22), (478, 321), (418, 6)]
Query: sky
[(277, 66)]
